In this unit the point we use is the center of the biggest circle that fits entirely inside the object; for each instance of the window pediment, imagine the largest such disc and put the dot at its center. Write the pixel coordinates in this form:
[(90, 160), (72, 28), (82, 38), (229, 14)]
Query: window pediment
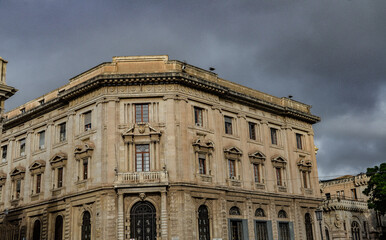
[(17, 173), (233, 153), (141, 131), (202, 145), (84, 150), (37, 166), (278, 161), (257, 157), (304, 165), (58, 159), (3, 177)]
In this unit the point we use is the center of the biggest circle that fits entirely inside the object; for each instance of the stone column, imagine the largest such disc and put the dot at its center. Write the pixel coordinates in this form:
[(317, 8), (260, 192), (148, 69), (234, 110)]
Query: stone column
[(120, 218), (164, 216)]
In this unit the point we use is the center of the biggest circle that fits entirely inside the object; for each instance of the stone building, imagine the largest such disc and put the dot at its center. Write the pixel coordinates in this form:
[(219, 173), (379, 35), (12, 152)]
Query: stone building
[(346, 215), (150, 148)]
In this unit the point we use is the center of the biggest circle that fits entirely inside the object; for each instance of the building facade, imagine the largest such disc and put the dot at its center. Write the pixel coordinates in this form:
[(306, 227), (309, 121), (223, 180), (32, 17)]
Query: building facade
[(151, 148), (346, 215)]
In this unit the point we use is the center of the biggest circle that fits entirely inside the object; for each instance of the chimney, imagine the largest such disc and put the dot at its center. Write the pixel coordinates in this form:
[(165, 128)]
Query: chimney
[(3, 70)]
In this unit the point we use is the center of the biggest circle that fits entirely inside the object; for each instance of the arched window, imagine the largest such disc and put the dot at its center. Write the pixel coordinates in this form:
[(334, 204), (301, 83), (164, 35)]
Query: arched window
[(59, 228), (282, 214), (355, 230), (143, 221), (308, 225), (259, 213), (86, 226), (234, 211), (327, 233), (37, 228), (203, 223)]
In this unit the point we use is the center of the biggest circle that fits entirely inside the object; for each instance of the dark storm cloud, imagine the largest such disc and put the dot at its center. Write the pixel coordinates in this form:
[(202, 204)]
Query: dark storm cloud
[(329, 54)]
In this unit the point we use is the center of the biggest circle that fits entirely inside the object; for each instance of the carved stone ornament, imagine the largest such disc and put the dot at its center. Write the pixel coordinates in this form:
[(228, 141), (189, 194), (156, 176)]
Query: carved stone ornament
[(257, 157), (84, 150), (338, 221), (233, 153), (58, 160), (304, 165), (141, 132), (17, 173), (202, 145), (278, 161), (37, 166), (3, 177), (142, 196)]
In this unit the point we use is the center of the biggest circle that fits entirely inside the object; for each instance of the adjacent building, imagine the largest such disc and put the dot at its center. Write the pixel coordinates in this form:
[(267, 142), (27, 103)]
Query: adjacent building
[(346, 215), (144, 147)]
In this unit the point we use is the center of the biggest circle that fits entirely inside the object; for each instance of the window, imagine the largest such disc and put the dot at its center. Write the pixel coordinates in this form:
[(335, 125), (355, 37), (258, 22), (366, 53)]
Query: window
[(328, 196), (308, 224), (256, 171), (342, 193), (142, 158), (234, 211), (279, 180), (282, 214), (259, 212), (261, 230), (18, 188), (42, 136), (299, 144), (87, 121), (86, 226), (4, 153), (274, 136), (305, 179), (232, 168), (22, 110), (22, 147), (141, 113), (60, 177), (62, 132), (355, 230), (59, 228), (252, 130), (284, 231), (41, 102), (38, 183), (202, 163), (198, 116), (228, 124), (36, 230), (354, 194), (203, 223), (85, 169)]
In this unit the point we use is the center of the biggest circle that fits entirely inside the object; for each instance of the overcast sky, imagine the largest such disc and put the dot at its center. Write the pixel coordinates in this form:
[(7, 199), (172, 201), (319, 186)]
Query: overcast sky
[(330, 54)]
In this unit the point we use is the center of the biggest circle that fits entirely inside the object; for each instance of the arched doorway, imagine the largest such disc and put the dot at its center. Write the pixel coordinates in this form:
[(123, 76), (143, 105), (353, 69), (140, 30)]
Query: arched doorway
[(203, 223), (86, 226), (36, 230), (308, 225), (59, 228), (355, 231), (143, 221)]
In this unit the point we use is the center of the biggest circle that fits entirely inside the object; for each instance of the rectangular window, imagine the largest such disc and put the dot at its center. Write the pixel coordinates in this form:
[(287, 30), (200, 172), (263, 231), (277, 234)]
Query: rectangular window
[(342, 193), (232, 168), (18, 188), (328, 196), (202, 163), (354, 194), (42, 136), (142, 158), (62, 132), (305, 180), (87, 121), (141, 113), (4, 153), (22, 147), (256, 172), (252, 130), (60, 177), (85, 169), (274, 136), (299, 144), (198, 119), (279, 177), (338, 193), (38, 182), (228, 124)]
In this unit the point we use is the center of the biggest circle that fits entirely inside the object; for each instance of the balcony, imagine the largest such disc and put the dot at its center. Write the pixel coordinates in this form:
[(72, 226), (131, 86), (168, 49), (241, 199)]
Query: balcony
[(142, 178), (345, 204)]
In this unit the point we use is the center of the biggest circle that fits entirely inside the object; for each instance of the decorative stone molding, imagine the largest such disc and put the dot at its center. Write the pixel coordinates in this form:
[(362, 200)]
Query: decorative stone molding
[(58, 160), (141, 131), (304, 165), (278, 161), (3, 177), (202, 145), (37, 167), (233, 153), (17, 173), (84, 150), (257, 157)]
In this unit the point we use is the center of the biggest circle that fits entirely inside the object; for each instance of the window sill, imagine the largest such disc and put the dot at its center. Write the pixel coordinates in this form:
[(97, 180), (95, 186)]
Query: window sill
[(16, 202), (19, 158), (206, 178), (85, 133), (59, 144), (234, 182), (297, 150), (57, 191), (259, 186), (36, 196), (231, 136), (38, 151), (3, 164), (202, 129), (276, 146), (254, 141), (282, 188), (308, 191)]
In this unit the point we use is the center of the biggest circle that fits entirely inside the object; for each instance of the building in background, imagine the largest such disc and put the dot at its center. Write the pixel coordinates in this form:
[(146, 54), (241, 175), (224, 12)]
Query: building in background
[(151, 148), (346, 215)]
